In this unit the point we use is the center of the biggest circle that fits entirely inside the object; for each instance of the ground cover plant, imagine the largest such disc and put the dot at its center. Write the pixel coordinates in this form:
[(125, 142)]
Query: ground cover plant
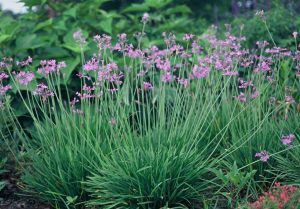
[(278, 197), (156, 127)]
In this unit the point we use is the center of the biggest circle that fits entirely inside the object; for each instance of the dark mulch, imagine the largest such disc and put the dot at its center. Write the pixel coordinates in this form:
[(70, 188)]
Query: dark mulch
[(10, 197)]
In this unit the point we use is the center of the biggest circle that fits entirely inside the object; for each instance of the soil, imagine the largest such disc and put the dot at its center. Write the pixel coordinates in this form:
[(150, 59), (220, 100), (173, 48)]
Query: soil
[(10, 197)]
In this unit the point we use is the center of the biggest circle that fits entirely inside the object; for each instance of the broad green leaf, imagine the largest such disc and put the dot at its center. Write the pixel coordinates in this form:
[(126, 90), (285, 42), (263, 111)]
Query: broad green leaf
[(74, 47), (5, 21), (44, 24), (71, 12), (71, 65), (183, 9), (136, 8), (157, 4), (106, 25), (10, 28), (4, 37), (57, 52), (60, 24), (30, 41)]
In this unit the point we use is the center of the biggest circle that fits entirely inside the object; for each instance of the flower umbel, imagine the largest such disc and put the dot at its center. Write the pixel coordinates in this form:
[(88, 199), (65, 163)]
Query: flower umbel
[(263, 155), (287, 139)]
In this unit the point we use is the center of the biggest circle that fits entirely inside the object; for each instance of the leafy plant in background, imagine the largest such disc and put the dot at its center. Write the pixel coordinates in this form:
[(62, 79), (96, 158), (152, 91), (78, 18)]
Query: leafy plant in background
[(233, 182), (281, 21), (92, 17)]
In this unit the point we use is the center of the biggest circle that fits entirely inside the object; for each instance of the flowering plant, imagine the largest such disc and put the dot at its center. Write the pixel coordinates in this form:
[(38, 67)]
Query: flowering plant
[(147, 124), (280, 197)]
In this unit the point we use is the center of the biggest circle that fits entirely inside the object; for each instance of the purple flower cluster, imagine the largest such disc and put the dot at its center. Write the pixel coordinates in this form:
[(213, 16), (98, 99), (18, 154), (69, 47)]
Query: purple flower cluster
[(25, 62), (50, 66), (43, 91), (145, 18), (91, 65), (263, 155), (4, 89), (88, 93), (289, 100), (24, 78), (103, 42), (148, 86), (200, 71), (287, 139), (3, 76), (79, 37)]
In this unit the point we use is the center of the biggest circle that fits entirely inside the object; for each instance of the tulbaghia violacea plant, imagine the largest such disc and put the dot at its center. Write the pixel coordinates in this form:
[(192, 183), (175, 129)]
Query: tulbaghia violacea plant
[(147, 123)]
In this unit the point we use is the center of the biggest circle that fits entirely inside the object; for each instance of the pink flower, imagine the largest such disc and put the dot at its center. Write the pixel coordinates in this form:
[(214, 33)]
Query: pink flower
[(230, 73), (80, 75), (74, 101), (295, 34), (188, 37), (245, 84), (241, 97), (264, 67), (50, 66), (148, 86), (60, 65), (88, 88), (167, 77), (116, 78), (255, 94), (287, 139), (122, 37), (43, 91), (135, 53), (263, 155), (196, 49), (141, 73), (91, 65), (25, 62), (6, 63), (3, 76), (117, 47), (164, 65), (289, 100), (24, 77), (183, 81), (103, 75), (79, 37), (112, 66), (104, 41), (145, 18), (4, 89), (170, 39), (262, 44), (88, 95), (200, 71)]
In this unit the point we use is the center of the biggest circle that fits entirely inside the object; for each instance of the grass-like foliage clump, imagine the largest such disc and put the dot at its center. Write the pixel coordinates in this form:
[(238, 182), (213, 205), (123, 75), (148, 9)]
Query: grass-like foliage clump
[(145, 126)]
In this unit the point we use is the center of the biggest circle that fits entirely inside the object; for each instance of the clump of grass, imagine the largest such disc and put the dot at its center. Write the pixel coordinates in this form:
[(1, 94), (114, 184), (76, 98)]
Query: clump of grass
[(149, 127)]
